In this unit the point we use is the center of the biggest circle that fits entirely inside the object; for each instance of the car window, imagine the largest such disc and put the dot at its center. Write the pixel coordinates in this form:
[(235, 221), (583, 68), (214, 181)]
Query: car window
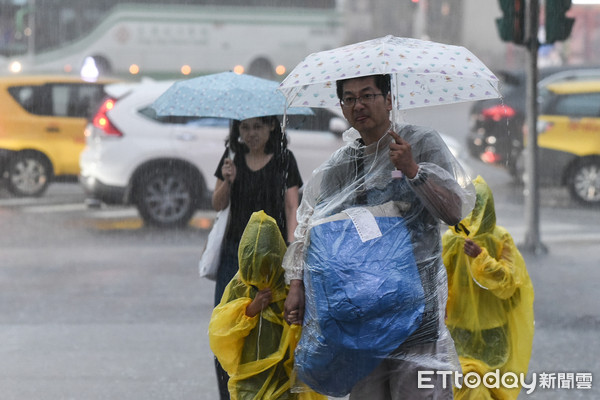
[(23, 95), (85, 100), (59, 100), (577, 105), (33, 99), (150, 113), (318, 122)]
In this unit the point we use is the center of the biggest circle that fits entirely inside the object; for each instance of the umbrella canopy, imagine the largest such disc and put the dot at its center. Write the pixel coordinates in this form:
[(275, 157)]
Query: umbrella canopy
[(224, 95), (423, 73)]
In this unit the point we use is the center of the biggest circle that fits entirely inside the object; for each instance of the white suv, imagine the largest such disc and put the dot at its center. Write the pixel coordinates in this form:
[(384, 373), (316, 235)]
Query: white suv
[(165, 165)]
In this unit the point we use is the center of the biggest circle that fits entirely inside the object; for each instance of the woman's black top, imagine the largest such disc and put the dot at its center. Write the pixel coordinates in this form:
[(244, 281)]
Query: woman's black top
[(259, 190)]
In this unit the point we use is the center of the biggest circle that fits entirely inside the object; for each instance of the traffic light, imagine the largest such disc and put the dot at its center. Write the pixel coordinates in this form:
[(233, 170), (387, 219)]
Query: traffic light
[(511, 26), (558, 26)]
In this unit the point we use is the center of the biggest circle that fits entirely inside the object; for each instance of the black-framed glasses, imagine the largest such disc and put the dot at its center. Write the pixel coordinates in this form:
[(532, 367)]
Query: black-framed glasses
[(349, 102)]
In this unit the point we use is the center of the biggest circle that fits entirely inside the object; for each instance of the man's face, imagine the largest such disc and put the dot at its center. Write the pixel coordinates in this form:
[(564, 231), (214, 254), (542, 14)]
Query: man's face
[(370, 120)]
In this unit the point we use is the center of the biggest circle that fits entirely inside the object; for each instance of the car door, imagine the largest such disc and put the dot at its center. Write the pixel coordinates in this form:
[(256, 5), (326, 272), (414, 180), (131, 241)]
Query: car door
[(571, 124), (42, 127), (201, 142), (70, 107)]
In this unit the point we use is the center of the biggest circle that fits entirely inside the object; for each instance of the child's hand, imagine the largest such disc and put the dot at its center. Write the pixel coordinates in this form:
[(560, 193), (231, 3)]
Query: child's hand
[(260, 302), (471, 248)]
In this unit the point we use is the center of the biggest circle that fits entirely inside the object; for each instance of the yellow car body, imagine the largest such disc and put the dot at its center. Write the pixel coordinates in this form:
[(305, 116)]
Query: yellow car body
[(42, 120)]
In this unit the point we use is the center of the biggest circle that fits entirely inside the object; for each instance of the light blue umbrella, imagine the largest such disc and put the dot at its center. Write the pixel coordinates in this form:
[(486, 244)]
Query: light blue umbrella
[(224, 95)]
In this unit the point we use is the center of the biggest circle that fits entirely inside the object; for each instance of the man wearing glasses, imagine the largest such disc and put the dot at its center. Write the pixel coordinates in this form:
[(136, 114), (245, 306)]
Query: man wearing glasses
[(387, 166)]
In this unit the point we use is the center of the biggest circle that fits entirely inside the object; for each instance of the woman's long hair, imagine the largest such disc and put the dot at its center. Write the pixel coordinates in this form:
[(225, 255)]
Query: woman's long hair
[(277, 144)]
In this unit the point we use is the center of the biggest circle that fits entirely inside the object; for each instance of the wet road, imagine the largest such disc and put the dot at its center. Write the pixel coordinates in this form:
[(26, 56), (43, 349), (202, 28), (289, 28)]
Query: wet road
[(94, 305)]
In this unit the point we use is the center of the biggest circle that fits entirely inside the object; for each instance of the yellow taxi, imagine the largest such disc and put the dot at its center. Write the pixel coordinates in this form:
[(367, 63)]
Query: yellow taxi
[(569, 138), (42, 120)]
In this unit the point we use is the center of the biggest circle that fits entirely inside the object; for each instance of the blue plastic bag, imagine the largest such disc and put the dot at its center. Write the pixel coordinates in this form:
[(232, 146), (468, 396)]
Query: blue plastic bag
[(363, 299)]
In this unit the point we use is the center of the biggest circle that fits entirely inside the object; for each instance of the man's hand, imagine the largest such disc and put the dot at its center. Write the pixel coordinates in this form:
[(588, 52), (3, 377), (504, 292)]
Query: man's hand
[(401, 156), (260, 302), (293, 309)]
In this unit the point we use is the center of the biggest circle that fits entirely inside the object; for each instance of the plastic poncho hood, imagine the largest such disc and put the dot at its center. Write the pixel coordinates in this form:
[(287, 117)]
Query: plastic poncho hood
[(482, 219), (260, 254)]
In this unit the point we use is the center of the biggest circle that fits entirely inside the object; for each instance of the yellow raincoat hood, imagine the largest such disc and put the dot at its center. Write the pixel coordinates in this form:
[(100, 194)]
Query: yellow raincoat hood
[(490, 297), (257, 352)]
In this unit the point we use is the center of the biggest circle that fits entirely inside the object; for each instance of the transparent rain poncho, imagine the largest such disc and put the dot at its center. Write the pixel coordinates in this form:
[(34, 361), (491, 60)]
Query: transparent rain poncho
[(369, 251), (490, 299), (257, 352)]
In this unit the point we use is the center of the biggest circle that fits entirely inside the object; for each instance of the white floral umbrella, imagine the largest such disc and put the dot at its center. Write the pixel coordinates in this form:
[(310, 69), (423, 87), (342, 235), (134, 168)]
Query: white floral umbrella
[(423, 73)]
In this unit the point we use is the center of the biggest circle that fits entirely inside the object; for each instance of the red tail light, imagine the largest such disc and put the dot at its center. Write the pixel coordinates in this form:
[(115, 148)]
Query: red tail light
[(498, 112), (101, 120), (490, 157)]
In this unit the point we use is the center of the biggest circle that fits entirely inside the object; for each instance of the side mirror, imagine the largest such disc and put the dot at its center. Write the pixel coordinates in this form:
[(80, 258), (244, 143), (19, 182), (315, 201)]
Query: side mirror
[(338, 125)]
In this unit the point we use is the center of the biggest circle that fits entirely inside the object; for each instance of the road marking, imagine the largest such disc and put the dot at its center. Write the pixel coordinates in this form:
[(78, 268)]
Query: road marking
[(25, 201), (127, 224), (127, 218), (111, 213), (53, 208), (117, 218), (556, 234)]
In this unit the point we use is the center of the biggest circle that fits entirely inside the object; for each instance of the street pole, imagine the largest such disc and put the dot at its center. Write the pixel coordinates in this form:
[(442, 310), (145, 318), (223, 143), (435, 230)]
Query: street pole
[(31, 37), (532, 243)]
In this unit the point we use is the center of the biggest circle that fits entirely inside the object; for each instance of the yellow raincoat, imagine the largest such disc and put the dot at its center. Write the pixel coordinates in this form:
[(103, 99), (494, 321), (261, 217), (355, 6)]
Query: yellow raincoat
[(257, 352), (490, 299)]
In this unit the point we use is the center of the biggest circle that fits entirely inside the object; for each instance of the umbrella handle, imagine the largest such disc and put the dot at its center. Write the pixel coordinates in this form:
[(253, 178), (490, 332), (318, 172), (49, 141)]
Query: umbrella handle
[(397, 174), (284, 122)]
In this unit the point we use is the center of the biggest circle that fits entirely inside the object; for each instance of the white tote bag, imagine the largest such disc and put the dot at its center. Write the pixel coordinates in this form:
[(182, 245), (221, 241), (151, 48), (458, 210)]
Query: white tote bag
[(211, 255)]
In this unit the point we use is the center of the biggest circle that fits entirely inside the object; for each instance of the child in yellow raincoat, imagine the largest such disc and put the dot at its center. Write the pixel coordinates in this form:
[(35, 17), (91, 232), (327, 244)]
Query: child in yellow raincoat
[(247, 332), (490, 299)]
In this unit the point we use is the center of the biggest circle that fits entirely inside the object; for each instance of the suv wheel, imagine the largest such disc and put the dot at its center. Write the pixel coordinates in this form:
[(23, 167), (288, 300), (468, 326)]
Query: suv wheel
[(166, 198), (29, 174), (584, 182)]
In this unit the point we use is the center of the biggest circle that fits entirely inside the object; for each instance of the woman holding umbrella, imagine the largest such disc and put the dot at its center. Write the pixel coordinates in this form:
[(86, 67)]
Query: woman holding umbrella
[(262, 175)]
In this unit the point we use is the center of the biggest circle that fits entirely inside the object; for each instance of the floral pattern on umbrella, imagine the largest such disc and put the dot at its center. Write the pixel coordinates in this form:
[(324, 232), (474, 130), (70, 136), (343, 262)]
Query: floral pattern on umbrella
[(423, 73)]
